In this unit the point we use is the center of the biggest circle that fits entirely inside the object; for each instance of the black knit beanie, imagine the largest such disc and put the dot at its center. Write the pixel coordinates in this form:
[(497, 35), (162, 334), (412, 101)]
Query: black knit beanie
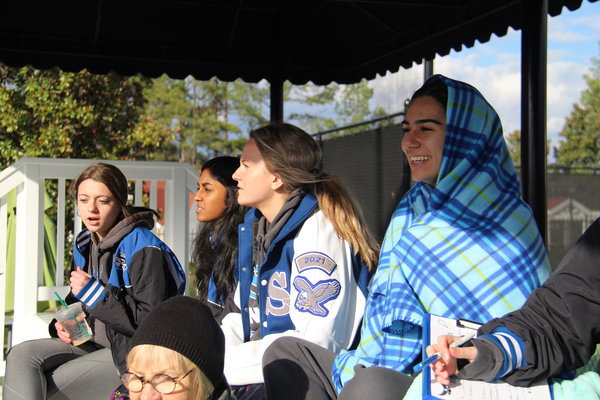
[(187, 326)]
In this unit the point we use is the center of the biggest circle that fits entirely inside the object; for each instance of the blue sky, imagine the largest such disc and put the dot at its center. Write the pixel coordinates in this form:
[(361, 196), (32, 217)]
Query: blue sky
[(495, 69)]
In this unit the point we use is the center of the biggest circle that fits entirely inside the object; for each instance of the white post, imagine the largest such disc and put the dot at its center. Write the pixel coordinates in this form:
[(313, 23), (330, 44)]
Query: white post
[(3, 222), (60, 233), (176, 221), (28, 254), (153, 194), (138, 196), (77, 227), (153, 201)]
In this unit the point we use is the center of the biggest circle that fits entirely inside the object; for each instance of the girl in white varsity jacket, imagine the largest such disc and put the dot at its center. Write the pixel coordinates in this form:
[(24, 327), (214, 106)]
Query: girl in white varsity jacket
[(122, 271), (304, 253)]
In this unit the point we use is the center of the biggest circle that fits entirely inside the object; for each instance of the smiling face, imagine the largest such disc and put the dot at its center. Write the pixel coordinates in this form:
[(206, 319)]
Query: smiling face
[(257, 186), (423, 142), (97, 207), (210, 198)]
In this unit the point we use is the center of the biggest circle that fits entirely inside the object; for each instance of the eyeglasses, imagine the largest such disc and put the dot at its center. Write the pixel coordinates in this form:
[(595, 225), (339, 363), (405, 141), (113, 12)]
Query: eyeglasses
[(163, 384)]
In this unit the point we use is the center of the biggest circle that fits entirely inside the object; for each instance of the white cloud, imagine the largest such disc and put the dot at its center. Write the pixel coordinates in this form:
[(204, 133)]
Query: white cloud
[(501, 86), (391, 90), (567, 37), (499, 82), (591, 21), (557, 55), (565, 83), (579, 26), (495, 69), (555, 125)]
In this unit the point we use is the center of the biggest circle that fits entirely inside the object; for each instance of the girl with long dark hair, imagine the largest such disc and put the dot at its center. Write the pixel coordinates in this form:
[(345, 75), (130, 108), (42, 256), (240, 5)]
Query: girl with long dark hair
[(215, 246)]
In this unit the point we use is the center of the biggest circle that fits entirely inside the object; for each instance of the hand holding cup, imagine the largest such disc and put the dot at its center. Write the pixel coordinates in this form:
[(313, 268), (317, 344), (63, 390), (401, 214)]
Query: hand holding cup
[(62, 333), (71, 325)]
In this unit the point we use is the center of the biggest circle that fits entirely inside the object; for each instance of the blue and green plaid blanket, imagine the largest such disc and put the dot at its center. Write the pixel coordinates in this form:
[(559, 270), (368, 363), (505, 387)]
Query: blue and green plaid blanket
[(466, 248)]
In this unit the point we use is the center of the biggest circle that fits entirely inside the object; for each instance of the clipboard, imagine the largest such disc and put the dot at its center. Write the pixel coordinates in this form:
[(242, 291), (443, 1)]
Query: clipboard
[(435, 326)]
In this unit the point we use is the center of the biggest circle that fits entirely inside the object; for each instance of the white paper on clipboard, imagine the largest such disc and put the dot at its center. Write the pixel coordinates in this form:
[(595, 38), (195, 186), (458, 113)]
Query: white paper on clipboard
[(466, 389)]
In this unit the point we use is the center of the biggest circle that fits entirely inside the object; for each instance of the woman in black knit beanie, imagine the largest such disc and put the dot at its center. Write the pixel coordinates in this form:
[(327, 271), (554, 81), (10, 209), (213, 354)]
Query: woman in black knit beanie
[(178, 351)]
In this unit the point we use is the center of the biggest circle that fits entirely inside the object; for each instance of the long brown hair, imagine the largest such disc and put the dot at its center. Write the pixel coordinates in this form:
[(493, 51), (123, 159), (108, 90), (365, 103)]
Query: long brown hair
[(295, 157)]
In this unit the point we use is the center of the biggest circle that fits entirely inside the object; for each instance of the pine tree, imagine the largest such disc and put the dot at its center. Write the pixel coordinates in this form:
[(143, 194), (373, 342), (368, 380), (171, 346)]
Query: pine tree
[(581, 147)]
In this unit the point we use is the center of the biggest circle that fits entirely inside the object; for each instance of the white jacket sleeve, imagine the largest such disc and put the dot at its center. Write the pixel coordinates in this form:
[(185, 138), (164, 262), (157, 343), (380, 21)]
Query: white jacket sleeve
[(326, 304), (323, 301)]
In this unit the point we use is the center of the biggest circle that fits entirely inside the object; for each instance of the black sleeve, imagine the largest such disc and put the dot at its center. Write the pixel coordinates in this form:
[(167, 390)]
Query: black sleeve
[(124, 309), (560, 322), (220, 312)]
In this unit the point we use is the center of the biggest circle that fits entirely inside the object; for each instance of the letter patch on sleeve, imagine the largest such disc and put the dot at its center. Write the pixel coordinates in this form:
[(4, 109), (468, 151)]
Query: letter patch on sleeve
[(312, 298), (315, 260)]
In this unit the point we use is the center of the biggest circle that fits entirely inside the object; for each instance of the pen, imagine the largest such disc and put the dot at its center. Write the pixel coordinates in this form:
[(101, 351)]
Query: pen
[(462, 340), (429, 360)]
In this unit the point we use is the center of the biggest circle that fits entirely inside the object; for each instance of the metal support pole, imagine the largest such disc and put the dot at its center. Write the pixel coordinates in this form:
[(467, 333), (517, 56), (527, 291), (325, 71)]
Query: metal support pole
[(427, 69), (533, 108), (276, 99)]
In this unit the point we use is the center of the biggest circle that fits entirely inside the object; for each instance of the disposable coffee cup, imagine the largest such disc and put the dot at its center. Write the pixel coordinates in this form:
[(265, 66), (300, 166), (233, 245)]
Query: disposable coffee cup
[(74, 322)]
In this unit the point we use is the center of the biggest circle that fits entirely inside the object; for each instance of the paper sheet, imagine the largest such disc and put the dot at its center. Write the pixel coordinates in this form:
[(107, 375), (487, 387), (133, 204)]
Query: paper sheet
[(473, 390)]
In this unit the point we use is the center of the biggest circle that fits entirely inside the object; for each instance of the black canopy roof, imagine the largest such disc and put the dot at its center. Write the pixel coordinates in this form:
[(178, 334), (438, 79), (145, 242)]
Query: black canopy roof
[(298, 40)]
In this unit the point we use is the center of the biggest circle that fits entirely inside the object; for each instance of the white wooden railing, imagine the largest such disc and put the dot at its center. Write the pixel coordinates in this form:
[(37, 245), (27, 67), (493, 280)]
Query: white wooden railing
[(28, 177)]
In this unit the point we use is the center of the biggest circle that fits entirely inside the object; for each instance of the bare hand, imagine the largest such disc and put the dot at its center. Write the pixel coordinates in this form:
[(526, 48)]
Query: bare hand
[(62, 333), (78, 280), (446, 367)]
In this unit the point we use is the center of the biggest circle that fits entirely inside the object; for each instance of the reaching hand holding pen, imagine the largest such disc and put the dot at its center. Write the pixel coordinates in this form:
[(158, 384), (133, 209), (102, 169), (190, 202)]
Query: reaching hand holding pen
[(446, 366)]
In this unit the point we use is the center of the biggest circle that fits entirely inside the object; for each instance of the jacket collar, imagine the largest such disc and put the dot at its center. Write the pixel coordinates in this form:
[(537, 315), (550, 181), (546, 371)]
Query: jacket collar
[(307, 207)]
